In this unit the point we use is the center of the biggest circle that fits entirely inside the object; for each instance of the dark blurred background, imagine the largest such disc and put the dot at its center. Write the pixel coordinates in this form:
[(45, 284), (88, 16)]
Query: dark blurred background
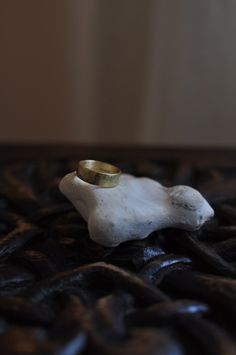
[(124, 72)]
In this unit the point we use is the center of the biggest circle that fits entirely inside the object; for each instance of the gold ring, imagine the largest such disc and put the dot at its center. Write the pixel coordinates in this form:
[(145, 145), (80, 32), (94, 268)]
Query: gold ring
[(98, 173)]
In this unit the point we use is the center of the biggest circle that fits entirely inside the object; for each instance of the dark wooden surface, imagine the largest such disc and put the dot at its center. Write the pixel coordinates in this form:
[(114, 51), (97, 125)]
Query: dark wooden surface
[(171, 293), (202, 156)]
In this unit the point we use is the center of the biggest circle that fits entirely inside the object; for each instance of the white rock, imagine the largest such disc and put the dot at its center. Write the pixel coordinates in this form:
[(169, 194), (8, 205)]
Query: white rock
[(135, 208)]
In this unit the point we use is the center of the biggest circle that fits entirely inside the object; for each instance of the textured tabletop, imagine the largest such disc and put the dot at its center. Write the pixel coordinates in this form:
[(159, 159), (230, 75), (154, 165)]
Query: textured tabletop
[(61, 293)]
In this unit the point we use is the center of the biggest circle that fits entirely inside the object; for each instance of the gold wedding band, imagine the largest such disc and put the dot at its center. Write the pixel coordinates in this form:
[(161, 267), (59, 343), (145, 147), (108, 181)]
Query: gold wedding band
[(98, 173)]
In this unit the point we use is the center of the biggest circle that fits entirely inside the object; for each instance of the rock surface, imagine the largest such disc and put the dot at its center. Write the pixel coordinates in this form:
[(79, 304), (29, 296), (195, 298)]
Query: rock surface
[(135, 208)]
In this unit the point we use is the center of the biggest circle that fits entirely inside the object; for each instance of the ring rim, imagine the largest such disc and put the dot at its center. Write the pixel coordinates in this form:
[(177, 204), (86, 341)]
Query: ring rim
[(98, 173)]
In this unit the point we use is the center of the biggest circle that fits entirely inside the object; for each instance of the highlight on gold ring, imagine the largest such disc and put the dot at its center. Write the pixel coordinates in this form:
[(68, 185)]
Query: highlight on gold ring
[(98, 173)]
